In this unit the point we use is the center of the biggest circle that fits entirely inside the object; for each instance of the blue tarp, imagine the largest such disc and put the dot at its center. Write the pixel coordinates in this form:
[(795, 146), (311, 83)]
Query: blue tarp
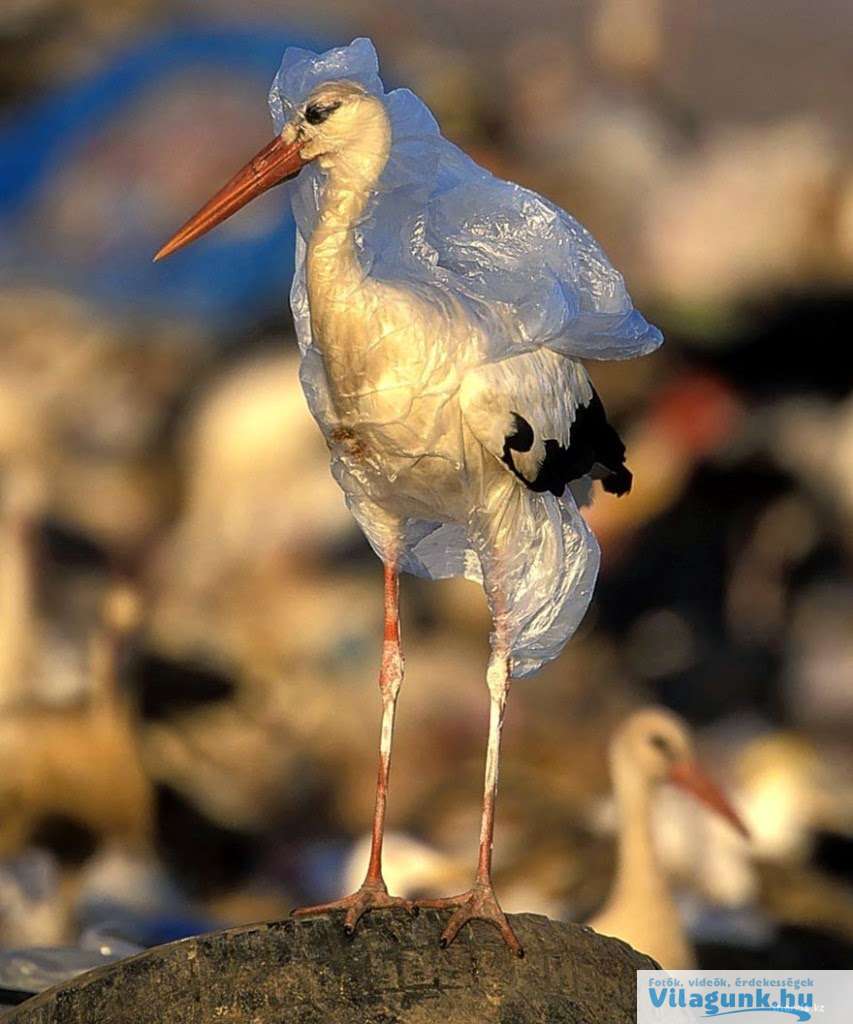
[(222, 280)]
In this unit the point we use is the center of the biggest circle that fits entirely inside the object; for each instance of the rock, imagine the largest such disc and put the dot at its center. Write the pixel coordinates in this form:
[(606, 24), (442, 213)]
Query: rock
[(392, 972)]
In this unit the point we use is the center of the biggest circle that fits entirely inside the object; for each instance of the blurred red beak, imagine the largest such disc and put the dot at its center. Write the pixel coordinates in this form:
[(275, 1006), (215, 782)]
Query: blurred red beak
[(273, 164), (689, 776)]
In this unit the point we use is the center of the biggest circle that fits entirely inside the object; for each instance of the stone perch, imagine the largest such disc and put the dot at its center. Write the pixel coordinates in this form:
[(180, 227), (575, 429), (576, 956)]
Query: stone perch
[(391, 972)]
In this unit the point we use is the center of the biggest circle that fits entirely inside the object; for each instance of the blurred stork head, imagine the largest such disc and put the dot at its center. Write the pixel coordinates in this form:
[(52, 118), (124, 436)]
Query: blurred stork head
[(650, 742), (655, 746)]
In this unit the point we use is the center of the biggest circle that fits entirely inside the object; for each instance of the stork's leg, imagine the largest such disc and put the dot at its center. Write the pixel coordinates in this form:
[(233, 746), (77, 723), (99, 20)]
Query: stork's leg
[(373, 892), (480, 901)]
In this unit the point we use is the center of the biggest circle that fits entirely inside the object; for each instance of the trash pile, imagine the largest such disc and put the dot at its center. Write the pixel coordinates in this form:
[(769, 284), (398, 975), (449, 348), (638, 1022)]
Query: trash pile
[(190, 621)]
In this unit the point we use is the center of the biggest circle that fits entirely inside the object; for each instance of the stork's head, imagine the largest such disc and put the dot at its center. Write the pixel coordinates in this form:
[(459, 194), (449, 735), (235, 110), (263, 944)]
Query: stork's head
[(340, 122), (340, 125), (655, 746)]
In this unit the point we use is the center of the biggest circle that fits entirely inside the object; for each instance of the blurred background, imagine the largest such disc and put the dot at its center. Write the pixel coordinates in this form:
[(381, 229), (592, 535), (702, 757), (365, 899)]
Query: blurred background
[(189, 620)]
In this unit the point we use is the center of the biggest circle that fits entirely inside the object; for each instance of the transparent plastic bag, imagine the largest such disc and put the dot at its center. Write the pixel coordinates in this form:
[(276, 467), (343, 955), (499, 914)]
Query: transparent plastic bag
[(488, 272)]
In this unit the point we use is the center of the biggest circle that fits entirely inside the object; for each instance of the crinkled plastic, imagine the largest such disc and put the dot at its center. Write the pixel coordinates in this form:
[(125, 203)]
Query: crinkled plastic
[(457, 273)]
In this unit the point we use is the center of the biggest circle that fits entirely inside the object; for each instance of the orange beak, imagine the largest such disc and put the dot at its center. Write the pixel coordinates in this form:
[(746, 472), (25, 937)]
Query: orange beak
[(689, 776), (276, 162)]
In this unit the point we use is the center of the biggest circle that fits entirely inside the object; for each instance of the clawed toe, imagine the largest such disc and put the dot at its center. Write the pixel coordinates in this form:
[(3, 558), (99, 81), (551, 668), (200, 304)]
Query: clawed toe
[(368, 897), (480, 903)]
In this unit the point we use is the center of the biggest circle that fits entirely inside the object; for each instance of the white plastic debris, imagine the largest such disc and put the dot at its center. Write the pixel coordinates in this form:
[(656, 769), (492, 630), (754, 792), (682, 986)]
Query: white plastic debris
[(482, 295)]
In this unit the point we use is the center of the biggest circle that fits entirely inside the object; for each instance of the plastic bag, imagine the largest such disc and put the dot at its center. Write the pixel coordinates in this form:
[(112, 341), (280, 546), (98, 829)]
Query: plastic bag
[(452, 271)]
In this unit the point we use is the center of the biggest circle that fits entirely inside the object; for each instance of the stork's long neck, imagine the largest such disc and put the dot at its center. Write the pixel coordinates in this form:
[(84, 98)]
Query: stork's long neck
[(639, 874), (332, 256), (333, 266)]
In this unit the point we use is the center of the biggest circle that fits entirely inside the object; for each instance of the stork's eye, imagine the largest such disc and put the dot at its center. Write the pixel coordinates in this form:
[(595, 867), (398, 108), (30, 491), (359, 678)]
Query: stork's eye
[(662, 744), (316, 113)]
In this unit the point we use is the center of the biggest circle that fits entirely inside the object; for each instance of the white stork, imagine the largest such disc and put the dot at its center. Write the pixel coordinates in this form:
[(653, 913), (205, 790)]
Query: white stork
[(441, 313), (652, 747)]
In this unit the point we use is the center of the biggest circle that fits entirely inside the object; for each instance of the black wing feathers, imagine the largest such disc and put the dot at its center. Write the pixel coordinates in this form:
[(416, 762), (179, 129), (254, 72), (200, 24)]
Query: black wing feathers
[(594, 449)]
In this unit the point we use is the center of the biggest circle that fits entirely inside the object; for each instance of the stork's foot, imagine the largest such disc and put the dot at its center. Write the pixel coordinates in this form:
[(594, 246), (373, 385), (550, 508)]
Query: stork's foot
[(479, 903), (371, 896)]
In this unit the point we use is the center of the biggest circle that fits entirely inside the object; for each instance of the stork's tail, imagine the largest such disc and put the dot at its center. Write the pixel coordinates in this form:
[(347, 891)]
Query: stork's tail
[(606, 447), (617, 481)]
